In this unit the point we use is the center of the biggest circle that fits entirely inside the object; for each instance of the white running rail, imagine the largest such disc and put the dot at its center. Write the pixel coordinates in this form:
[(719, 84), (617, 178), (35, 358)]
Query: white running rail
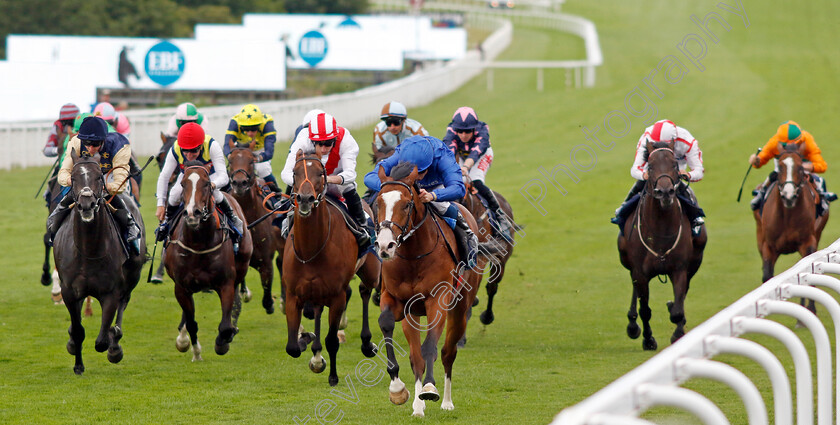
[(657, 381)]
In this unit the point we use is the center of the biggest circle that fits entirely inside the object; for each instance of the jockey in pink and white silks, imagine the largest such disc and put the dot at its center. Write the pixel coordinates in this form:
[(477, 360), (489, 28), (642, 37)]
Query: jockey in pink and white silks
[(690, 160), (469, 140), (338, 151)]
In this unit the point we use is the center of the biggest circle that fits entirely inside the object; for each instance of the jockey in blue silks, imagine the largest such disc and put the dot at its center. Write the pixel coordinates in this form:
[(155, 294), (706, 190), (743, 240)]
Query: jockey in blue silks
[(440, 182)]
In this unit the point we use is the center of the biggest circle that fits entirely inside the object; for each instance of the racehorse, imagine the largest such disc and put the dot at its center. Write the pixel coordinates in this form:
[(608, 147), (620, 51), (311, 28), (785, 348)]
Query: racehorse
[(91, 260), (787, 222), (166, 144), (319, 259), (656, 241), (419, 272), (200, 256), (246, 190), (485, 234)]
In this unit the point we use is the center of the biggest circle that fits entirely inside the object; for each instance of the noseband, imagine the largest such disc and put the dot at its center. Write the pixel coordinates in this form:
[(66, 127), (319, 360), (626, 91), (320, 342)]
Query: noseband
[(249, 178), (87, 191), (405, 232), (797, 187), (306, 179), (206, 211)]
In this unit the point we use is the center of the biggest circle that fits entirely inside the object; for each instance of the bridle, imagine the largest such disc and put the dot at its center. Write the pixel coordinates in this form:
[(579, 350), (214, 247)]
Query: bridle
[(87, 191), (797, 187), (249, 178), (405, 230), (654, 182), (206, 211), (306, 179)]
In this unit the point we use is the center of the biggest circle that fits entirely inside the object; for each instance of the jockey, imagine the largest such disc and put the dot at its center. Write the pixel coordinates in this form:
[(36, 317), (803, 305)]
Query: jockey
[(338, 151), (440, 182), (791, 132), (192, 145), (115, 152), (469, 140), (60, 128), (395, 126), (690, 160), (251, 125), (184, 113), (114, 119), (306, 119)]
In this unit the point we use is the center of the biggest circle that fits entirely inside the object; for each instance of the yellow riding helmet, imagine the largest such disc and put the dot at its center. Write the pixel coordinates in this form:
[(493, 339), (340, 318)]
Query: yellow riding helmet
[(250, 115)]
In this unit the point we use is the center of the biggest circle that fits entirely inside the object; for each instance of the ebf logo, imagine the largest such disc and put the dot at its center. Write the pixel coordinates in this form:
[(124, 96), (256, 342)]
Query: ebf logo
[(313, 47), (164, 63)]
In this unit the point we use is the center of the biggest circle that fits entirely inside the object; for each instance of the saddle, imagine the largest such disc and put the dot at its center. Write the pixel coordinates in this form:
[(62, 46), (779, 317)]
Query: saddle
[(688, 206), (223, 221), (350, 222)]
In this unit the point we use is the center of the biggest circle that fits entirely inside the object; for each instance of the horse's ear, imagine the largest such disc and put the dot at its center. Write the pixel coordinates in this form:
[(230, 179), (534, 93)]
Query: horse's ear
[(74, 155), (802, 149), (382, 176), (251, 145), (208, 166), (649, 145), (162, 138), (299, 155), (672, 145), (413, 176)]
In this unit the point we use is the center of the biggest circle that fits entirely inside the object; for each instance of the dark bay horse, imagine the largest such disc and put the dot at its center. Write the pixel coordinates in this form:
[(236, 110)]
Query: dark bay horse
[(166, 144), (419, 279), (787, 222), (657, 241), (319, 259), (200, 256), (91, 260), (245, 188), (485, 234)]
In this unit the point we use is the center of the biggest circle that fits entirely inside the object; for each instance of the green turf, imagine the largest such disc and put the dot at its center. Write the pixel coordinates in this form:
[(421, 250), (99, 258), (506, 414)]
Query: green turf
[(560, 313)]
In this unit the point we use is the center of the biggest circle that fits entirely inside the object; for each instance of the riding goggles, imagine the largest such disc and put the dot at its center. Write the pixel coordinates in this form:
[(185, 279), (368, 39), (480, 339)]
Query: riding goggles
[(392, 121), (328, 143), (246, 128)]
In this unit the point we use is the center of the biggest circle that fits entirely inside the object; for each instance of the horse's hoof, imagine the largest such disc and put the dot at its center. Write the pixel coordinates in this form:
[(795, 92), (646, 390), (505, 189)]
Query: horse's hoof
[(293, 351), (333, 381), (79, 369), (316, 366), (71, 347), (462, 342), (475, 301), (182, 345), (429, 393), (342, 337), (376, 296), (46, 279), (156, 279), (633, 330), (101, 346), (486, 317), (304, 340), (676, 335), (222, 349), (269, 306), (114, 356), (342, 324), (281, 305), (370, 349), (447, 405), (399, 398), (245, 294), (649, 344)]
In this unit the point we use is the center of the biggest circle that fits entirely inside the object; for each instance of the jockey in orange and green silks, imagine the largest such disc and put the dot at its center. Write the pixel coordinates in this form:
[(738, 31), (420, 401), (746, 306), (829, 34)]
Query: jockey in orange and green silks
[(791, 132)]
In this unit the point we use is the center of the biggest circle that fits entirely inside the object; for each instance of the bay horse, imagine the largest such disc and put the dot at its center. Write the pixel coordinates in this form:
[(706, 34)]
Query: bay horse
[(245, 188), (200, 256), (91, 260), (787, 222), (657, 241), (319, 259), (485, 234), (166, 144), (419, 272)]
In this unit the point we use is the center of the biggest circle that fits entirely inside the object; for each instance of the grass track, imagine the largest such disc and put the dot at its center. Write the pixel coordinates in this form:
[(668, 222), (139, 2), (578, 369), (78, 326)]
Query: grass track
[(559, 331)]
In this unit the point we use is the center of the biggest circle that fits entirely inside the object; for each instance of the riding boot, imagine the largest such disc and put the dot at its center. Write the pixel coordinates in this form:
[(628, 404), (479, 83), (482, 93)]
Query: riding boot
[(619, 212), (58, 215), (692, 208), (126, 220), (233, 219), (354, 205), (467, 241), (503, 221)]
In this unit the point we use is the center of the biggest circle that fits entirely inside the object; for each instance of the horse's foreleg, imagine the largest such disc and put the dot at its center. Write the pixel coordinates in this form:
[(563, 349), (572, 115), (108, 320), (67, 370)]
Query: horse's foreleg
[(768, 265), (457, 326), (633, 329), (278, 261), (317, 363), (227, 294), (369, 349), (640, 284), (436, 316), (185, 299), (492, 287), (676, 308), (267, 278), (415, 356), (336, 312), (115, 352), (292, 325), (398, 393), (109, 304), (46, 275), (76, 331)]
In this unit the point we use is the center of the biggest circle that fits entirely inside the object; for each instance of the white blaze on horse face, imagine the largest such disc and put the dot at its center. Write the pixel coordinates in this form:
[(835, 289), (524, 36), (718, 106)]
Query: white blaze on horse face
[(385, 238), (191, 202), (788, 191), (391, 199)]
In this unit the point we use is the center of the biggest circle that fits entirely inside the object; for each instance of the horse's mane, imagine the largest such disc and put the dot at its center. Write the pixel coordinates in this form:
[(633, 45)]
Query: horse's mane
[(402, 170), (383, 152)]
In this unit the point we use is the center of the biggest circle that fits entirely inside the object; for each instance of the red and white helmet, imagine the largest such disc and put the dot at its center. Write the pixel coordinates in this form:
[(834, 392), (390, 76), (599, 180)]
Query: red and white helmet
[(663, 131), (322, 127)]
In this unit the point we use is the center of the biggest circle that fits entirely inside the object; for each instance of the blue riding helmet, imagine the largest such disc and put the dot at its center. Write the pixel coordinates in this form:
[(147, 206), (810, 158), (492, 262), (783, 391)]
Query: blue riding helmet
[(93, 129), (417, 150), (465, 118)]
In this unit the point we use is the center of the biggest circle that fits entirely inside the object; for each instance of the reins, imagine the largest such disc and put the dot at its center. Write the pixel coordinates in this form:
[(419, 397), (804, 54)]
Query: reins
[(317, 202), (660, 257)]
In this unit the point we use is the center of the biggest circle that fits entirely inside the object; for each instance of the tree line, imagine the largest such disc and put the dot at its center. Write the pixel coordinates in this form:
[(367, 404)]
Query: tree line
[(145, 18)]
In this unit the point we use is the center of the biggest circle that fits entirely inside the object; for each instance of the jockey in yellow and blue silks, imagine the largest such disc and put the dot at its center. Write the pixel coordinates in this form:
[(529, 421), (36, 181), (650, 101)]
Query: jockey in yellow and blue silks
[(440, 181), (114, 153), (252, 125), (192, 145)]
